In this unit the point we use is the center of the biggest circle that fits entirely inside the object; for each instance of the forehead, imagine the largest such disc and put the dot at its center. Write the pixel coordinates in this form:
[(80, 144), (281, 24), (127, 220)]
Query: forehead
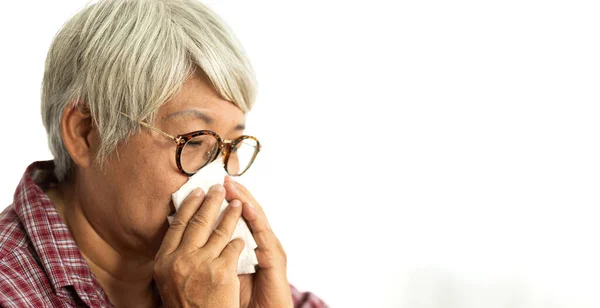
[(198, 94)]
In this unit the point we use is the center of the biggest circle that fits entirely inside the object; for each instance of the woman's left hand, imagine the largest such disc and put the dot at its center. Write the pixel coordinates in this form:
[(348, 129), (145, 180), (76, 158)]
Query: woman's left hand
[(269, 286)]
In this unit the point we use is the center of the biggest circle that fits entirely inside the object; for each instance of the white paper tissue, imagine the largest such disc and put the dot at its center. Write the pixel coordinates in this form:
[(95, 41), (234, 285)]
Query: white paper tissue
[(205, 178)]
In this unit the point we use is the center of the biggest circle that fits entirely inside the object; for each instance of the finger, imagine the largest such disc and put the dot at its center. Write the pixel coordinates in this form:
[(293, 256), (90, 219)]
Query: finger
[(231, 254), (201, 224), (236, 190), (270, 253), (244, 196), (224, 231), (188, 207)]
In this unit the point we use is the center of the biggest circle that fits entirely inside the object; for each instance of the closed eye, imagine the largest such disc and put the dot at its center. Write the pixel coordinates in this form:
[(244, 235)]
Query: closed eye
[(195, 143)]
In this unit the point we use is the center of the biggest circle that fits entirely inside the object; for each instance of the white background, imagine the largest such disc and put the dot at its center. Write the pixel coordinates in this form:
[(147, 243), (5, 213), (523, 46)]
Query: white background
[(417, 153)]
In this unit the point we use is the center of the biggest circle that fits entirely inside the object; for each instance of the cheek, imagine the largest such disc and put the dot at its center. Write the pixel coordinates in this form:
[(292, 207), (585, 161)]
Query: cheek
[(147, 180), (155, 181)]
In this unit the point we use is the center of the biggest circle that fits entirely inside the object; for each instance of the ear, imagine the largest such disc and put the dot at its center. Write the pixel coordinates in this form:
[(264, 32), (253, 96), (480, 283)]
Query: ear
[(79, 135)]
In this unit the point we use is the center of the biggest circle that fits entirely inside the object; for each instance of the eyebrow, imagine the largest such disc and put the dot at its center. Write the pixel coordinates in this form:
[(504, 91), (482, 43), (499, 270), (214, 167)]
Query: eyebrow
[(239, 127), (196, 113), (200, 116)]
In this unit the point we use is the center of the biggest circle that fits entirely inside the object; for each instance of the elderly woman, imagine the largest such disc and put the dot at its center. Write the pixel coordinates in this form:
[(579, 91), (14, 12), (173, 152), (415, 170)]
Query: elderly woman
[(132, 89)]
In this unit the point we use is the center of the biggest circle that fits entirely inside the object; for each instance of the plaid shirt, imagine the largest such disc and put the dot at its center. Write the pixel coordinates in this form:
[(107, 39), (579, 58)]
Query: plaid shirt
[(40, 263)]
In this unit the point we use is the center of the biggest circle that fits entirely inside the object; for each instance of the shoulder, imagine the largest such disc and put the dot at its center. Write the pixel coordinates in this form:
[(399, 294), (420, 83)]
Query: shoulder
[(12, 233), (26, 278), (20, 272)]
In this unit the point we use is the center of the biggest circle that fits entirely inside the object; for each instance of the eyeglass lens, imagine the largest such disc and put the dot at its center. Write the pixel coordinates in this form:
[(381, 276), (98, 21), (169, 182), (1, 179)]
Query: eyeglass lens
[(201, 150)]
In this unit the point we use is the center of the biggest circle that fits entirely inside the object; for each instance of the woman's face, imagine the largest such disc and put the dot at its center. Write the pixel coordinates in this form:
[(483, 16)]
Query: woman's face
[(129, 203)]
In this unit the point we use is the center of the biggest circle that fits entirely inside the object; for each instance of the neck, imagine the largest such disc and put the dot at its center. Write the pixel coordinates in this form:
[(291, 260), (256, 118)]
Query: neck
[(125, 277)]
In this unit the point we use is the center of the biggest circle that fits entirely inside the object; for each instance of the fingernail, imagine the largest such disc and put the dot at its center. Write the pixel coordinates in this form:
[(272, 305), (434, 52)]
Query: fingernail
[(235, 203), (250, 205), (218, 188), (197, 192)]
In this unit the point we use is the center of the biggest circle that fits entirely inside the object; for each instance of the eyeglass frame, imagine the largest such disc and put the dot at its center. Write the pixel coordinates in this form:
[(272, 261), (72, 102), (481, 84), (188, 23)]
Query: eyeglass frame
[(225, 145)]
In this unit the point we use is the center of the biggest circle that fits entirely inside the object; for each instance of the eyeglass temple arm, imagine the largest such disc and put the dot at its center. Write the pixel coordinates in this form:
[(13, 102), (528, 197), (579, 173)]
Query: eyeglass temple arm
[(150, 127)]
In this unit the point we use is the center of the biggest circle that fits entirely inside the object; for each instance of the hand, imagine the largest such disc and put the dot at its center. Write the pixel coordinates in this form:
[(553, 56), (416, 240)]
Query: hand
[(196, 266), (269, 286)]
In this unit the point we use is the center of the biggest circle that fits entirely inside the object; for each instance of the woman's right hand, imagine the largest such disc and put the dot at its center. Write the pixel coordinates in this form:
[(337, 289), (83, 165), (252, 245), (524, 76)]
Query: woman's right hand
[(196, 266)]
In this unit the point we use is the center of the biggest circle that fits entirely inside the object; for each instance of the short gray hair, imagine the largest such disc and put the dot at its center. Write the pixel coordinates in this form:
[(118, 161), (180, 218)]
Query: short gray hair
[(132, 56)]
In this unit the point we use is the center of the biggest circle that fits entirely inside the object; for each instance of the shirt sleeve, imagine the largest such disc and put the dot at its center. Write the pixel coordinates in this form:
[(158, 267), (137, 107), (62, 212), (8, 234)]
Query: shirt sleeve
[(306, 299)]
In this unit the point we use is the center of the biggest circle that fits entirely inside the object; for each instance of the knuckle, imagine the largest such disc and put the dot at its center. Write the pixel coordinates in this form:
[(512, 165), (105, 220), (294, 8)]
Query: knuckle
[(273, 257), (169, 268), (221, 232), (178, 269), (159, 268), (283, 255), (160, 260), (269, 256), (237, 244), (219, 275), (178, 224), (199, 220)]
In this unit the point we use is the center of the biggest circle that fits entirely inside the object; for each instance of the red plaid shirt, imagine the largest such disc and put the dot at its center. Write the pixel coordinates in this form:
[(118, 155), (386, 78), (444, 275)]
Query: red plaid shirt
[(40, 263)]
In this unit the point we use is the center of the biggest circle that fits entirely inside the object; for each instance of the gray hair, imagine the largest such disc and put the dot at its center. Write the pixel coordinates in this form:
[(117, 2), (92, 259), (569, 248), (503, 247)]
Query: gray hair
[(132, 56)]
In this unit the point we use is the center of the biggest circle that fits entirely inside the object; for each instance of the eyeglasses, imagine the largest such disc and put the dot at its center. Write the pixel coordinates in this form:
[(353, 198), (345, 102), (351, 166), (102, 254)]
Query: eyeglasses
[(198, 149)]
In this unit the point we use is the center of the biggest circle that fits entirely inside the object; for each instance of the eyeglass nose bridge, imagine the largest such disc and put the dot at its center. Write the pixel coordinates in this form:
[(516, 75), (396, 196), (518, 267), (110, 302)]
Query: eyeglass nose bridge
[(226, 149)]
